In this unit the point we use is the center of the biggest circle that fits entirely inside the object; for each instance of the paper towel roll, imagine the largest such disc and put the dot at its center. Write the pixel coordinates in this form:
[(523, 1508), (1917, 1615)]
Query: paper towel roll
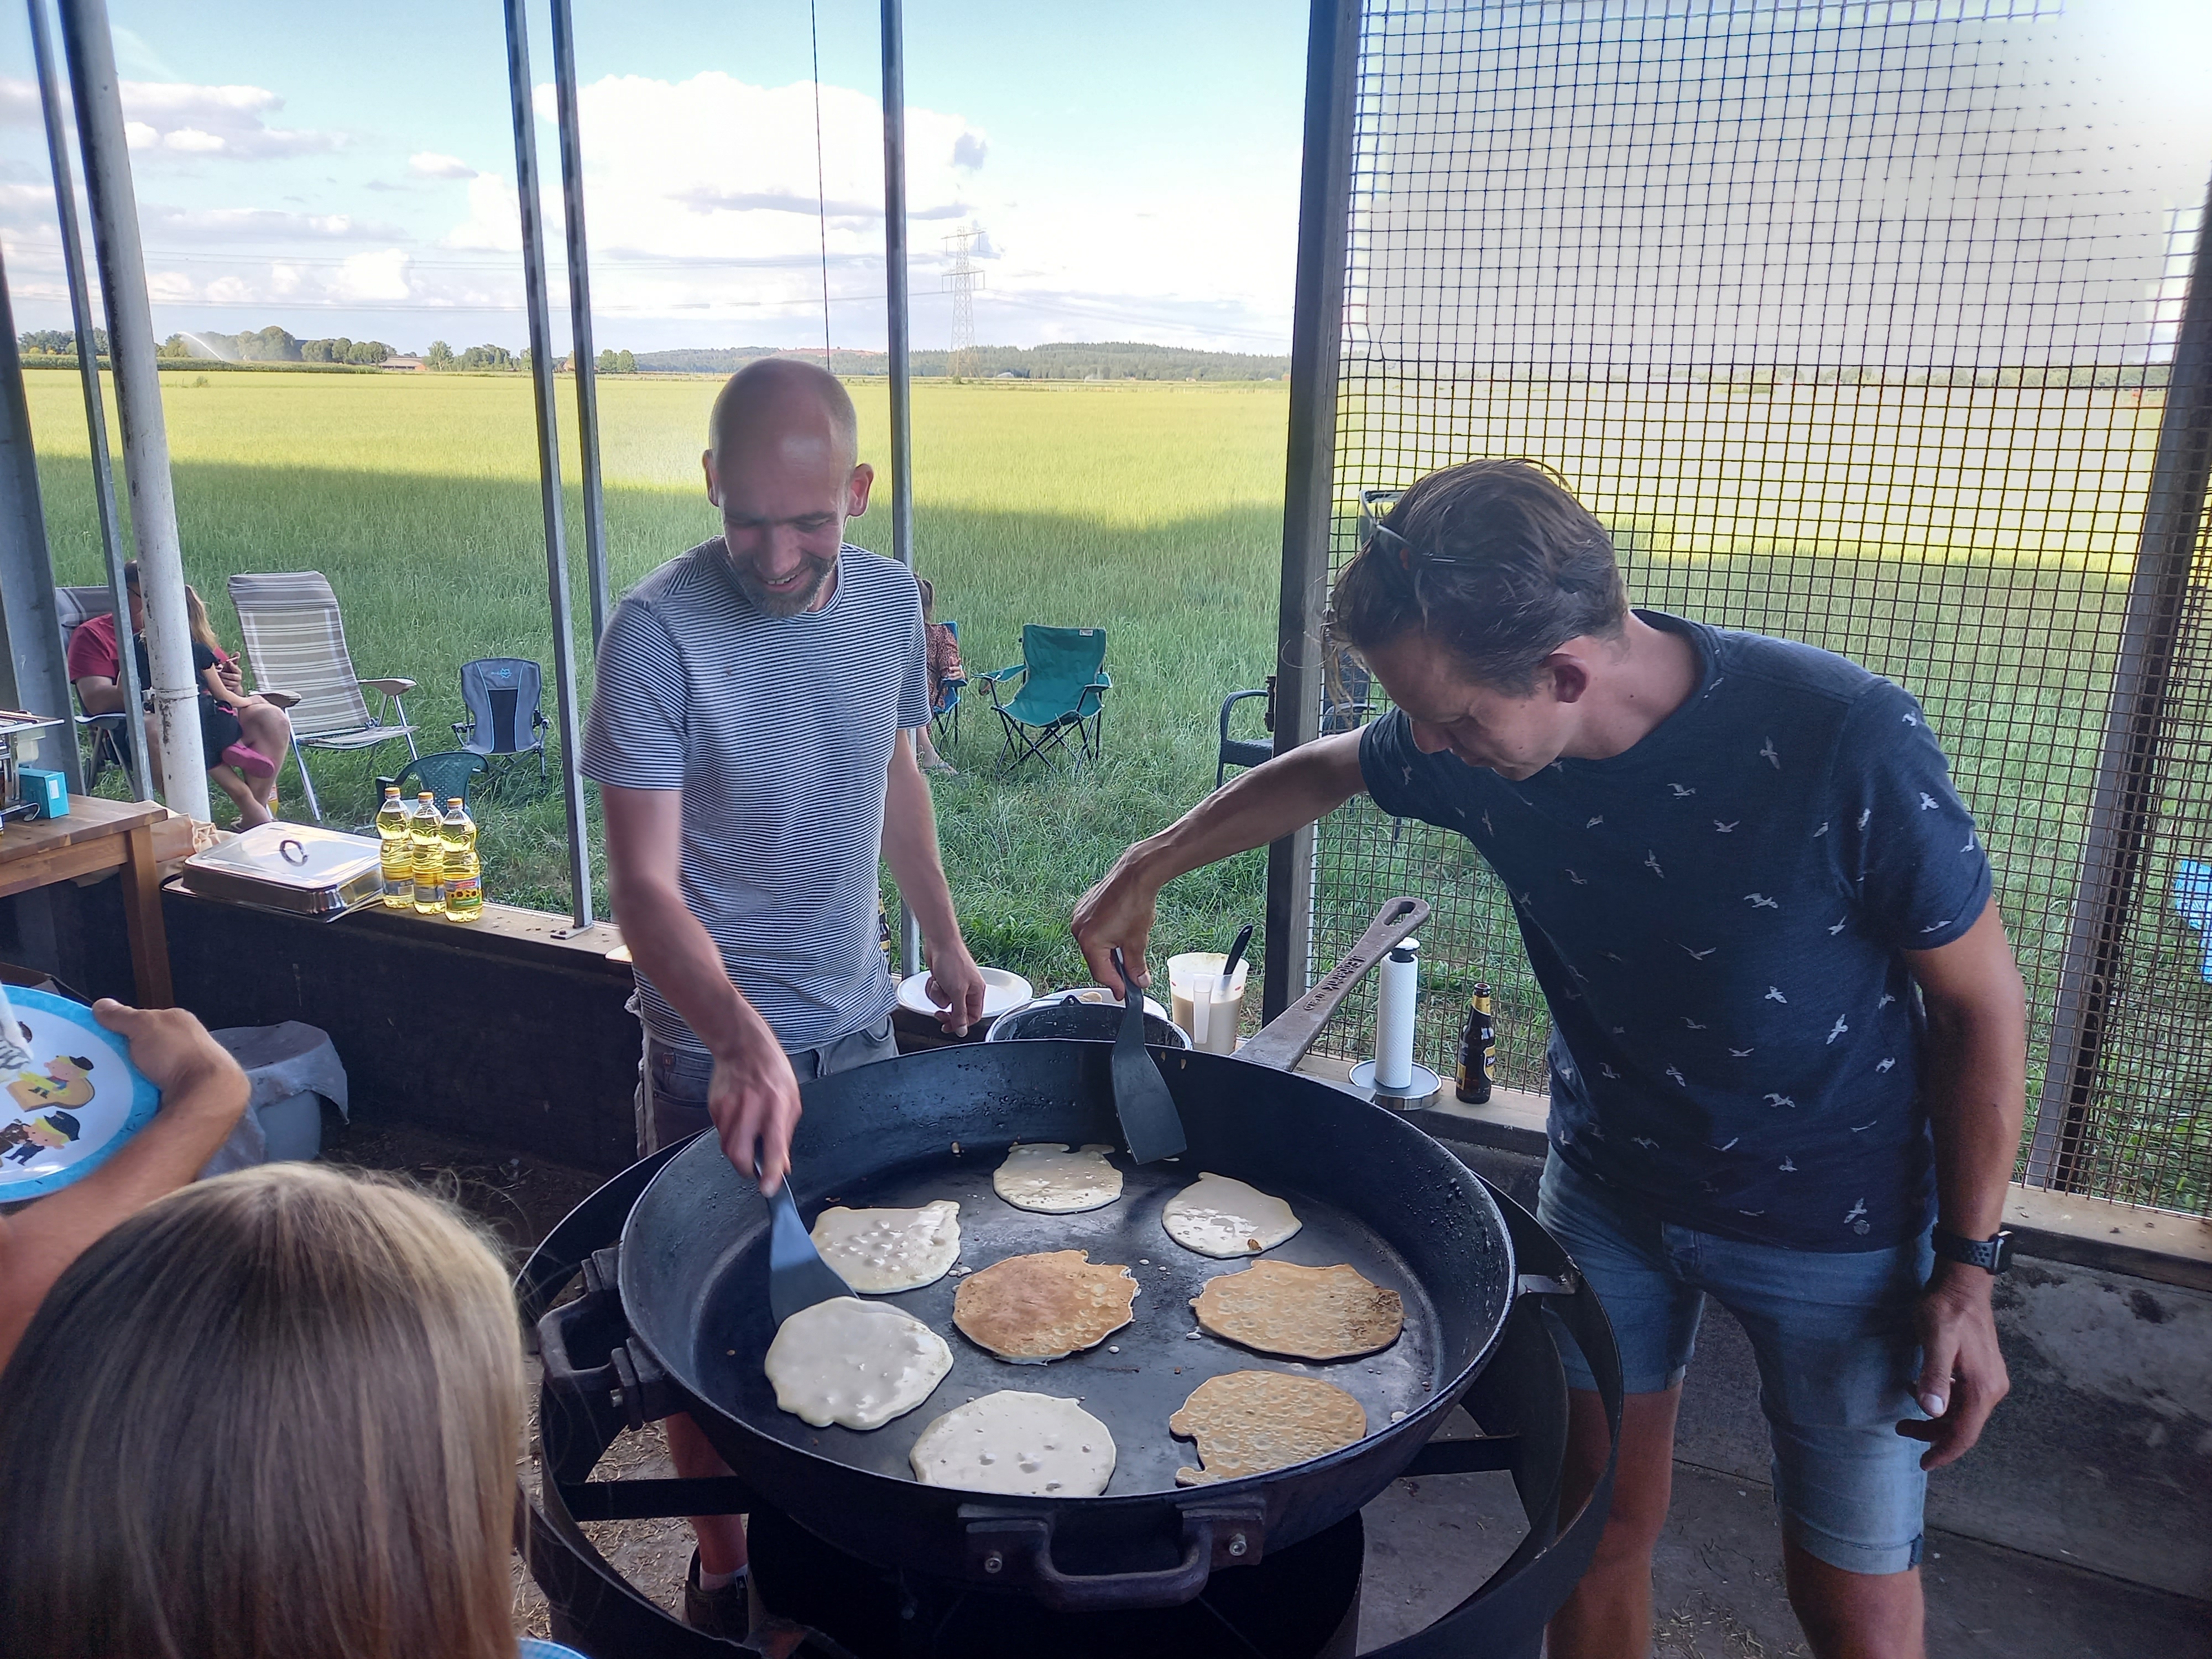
[(1394, 1001)]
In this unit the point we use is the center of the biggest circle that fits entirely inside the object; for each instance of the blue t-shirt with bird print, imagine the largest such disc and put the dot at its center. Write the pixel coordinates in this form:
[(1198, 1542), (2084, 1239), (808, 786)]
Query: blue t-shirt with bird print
[(1719, 918)]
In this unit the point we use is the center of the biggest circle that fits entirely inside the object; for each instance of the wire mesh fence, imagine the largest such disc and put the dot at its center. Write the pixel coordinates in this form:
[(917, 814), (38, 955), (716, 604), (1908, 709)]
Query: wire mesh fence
[(1854, 324)]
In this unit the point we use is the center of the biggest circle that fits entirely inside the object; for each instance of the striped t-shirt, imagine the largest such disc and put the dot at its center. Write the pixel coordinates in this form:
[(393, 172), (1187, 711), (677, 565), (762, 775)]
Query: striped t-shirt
[(779, 731)]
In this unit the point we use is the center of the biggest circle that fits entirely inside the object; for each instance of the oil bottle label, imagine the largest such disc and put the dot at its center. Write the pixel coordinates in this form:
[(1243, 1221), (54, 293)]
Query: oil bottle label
[(465, 890)]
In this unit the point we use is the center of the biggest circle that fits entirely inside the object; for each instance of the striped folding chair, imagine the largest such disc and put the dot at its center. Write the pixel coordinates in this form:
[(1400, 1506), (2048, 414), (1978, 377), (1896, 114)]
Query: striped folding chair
[(295, 641)]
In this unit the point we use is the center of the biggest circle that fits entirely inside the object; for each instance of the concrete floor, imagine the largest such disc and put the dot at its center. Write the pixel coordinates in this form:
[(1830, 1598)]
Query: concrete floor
[(1718, 1582)]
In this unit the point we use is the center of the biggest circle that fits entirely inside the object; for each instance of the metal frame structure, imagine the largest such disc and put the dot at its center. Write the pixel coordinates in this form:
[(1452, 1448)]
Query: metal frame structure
[(87, 365), (1309, 491)]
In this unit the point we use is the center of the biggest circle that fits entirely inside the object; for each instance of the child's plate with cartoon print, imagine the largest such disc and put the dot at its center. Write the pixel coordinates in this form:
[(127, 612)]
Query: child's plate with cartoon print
[(69, 1095)]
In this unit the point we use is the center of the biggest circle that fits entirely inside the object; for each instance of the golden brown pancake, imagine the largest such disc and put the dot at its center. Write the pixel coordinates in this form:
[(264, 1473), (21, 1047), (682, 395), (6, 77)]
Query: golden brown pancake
[(1303, 1313), (1045, 1306), (1249, 1422)]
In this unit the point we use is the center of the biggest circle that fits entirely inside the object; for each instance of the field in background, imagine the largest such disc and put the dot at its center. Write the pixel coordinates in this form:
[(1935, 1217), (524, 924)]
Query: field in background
[(1151, 510)]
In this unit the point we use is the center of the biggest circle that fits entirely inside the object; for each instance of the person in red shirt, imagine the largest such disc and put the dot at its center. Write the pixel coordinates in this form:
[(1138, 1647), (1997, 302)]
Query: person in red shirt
[(243, 737)]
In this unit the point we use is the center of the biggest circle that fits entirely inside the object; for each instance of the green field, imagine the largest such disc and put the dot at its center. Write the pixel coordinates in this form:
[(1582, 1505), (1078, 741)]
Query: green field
[(1973, 543), (1151, 510)]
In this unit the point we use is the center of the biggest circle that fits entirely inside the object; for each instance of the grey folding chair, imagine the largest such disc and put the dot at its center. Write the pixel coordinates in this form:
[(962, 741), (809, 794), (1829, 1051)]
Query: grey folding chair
[(295, 641)]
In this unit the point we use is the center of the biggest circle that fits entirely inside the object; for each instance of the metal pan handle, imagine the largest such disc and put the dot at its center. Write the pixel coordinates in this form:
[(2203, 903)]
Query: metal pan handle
[(626, 1381), (1016, 1549), (1283, 1041)]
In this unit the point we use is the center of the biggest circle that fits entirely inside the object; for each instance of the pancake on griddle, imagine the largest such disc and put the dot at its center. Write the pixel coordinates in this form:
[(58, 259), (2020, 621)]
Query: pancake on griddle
[(1028, 1445), (879, 1252), (856, 1363), (1220, 1216), (1249, 1422), (1045, 1306), (1302, 1313), (1046, 1178)]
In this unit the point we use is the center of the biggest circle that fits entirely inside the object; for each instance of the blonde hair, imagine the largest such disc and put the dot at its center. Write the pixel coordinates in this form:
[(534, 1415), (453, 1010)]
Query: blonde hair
[(276, 1414), (196, 614)]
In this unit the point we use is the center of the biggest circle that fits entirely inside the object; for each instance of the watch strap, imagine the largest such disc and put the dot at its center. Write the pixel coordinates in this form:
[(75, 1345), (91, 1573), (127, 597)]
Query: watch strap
[(1992, 1255)]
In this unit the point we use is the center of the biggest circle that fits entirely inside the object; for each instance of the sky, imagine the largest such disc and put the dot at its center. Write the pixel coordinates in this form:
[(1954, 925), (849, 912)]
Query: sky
[(1134, 170)]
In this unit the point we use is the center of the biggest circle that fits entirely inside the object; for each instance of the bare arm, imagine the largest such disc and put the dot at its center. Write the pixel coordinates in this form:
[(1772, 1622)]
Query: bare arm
[(910, 849), (754, 1095), (1265, 805), (1974, 1077), (99, 695), (203, 1092)]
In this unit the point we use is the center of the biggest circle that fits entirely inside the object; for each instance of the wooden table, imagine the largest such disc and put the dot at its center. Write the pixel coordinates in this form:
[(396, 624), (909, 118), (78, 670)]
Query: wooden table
[(96, 835)]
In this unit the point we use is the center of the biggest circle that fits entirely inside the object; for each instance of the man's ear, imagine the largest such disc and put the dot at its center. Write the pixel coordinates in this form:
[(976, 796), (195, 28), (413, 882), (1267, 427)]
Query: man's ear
[(714, 484), (1571, 678), (856, 489)]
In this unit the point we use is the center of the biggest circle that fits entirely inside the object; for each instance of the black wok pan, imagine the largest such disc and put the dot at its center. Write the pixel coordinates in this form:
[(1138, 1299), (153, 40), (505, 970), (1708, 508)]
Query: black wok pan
[(1370, 1188)]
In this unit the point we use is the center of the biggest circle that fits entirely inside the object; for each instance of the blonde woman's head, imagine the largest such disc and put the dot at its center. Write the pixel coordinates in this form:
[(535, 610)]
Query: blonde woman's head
[(276, 1414), (196, 614)]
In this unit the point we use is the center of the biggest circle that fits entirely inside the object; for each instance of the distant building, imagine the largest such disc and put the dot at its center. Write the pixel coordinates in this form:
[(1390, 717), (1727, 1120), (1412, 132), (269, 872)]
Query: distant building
[(405, 365)]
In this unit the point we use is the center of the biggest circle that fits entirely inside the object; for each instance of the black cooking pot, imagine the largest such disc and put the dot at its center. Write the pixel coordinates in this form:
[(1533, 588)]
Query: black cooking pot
[(688, 1292)]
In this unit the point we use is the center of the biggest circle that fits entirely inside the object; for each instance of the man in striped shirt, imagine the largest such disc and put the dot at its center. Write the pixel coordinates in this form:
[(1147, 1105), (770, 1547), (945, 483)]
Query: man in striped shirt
[(749, 734)]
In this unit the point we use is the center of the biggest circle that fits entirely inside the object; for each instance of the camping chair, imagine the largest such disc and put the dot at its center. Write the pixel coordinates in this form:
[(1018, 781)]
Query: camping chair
[(108, 746), (1063, 684), (945, 717), (1245, 751), (295, 639), (501, 694), (445, 774)]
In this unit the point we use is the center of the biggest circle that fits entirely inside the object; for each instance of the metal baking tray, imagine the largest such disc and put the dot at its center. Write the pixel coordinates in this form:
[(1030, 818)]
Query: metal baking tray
[(294, 868)]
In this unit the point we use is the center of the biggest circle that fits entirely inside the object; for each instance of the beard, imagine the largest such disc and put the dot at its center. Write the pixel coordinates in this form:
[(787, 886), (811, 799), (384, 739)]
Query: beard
[(803, 595)]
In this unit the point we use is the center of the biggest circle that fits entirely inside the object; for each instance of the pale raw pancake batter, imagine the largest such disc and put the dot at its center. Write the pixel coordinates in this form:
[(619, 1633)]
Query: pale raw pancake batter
[(1220, 1216), (1030, 1445), (856, 1363), (879, 1251), (1045, 1176), (1249, 1422)]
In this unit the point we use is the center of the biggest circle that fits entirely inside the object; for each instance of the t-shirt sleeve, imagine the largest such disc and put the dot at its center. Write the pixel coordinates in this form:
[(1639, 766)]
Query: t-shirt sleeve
[(1402, 779), (203, 657), (91, 653), (914, 683), (634, 735), (1905, 844)]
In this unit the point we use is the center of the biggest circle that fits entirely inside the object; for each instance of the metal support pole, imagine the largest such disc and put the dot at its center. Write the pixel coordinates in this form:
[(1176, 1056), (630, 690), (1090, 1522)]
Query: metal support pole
[(114, 201), (1308, 492), (2128, 765), (579, 317), (902, 382), (33, 674), (95, 411), (549, 452)]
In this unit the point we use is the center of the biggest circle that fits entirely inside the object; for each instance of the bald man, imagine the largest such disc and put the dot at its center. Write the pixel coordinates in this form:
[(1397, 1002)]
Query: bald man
[(751, 736)]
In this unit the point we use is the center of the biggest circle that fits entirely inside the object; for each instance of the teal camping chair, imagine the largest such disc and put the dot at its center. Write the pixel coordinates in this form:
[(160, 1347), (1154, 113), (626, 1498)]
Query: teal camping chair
[(447, 772), (1062, 685)]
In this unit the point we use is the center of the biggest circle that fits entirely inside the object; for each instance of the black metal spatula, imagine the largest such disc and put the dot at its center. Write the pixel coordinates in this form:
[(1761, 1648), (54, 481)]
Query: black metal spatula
[(797, 1277), (1149, 1122)]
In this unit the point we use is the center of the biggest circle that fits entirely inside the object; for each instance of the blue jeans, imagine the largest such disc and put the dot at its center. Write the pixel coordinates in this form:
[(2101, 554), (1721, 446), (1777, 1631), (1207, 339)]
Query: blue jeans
[(671, 1083), (1835, 1341)]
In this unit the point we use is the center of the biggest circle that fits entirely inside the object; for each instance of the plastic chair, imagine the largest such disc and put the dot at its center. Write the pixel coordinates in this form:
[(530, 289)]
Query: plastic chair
[(501, 694), (1062, 687), (296, 639), (1244, 752), (945, 716), (446, 773)]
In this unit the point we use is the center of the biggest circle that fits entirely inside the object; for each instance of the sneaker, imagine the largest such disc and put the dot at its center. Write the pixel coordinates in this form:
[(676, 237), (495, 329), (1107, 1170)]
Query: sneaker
[(251, 761), (716, 1613)]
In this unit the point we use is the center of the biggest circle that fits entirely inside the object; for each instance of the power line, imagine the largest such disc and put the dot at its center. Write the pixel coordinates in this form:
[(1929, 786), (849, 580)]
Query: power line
[(821, 188)]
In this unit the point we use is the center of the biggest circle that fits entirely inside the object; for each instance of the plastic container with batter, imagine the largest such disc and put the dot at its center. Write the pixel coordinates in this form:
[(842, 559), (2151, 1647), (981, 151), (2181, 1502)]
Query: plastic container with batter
[(1194, 986)]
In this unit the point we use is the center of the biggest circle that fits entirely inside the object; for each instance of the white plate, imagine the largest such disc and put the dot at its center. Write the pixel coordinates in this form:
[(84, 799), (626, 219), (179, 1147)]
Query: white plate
[(1001, 991), (69, 1095)]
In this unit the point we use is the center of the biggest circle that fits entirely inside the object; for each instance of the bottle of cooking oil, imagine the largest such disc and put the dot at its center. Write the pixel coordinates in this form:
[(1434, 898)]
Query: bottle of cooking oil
[(457, 836), (422, 831), (399, 851)]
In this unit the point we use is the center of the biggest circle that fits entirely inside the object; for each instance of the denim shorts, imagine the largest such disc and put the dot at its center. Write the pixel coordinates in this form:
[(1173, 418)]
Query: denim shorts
[(1837, 1348), (671, 1083)]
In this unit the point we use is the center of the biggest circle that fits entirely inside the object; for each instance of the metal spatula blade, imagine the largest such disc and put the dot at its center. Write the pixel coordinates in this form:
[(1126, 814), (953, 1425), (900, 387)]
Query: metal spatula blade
[(1149, 1122), (797, 1277)]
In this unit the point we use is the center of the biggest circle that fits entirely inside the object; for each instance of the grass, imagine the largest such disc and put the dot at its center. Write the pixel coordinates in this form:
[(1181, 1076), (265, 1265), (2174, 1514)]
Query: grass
[(1973, 543), (1151, 510)]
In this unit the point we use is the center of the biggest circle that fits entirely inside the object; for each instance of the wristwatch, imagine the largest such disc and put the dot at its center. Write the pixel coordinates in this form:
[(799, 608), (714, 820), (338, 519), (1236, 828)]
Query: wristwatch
[(1992, 1255)]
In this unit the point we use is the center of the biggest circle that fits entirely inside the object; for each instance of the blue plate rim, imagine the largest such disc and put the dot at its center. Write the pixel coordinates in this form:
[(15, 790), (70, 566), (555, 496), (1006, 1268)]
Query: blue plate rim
[(145, 1099)]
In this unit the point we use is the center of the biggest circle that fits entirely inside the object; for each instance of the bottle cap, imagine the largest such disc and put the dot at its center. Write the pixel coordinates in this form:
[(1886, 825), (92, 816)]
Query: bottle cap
[(425, 795), (452, 800), (391, 791)]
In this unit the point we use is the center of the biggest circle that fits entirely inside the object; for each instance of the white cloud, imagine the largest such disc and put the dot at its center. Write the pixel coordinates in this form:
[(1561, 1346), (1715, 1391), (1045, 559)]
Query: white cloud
[(429, 164), (368, 277), (233, 226), (189, 119)]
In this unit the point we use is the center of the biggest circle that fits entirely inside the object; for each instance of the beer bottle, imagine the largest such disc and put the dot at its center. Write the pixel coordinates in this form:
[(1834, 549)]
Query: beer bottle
[(1478, 1046)]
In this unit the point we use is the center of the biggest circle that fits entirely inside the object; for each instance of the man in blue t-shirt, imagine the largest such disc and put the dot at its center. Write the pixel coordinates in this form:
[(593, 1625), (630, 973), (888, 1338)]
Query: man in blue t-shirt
[(1788, 1055)]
